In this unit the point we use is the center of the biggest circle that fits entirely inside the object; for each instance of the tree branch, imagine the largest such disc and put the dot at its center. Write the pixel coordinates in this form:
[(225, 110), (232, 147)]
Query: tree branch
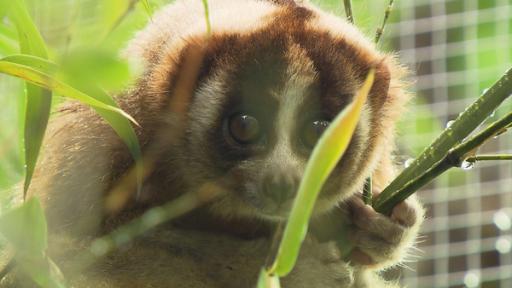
[(477, 158), (454, 158), (348, 10), (467, 121), (380, 30)]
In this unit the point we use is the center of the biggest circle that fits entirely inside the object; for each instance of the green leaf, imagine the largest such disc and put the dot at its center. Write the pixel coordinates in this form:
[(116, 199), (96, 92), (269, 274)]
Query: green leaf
[(106, 70), (37, 63), (42, 270), (50, 82), (111, 14), (30, 40), (8, 40), (42, 72), (101, 67), (266, 280), (325, 156), (147, 6), (207, 17), (38, 101), (25, 227)]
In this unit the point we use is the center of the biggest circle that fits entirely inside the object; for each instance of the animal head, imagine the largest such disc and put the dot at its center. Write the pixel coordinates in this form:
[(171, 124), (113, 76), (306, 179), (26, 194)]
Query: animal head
[(270, 79)]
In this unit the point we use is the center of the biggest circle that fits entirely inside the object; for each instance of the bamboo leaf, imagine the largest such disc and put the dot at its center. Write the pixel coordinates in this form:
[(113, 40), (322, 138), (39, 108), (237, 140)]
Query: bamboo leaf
[(30, 40), (147, 6), (84, 68), (26, 229), (106, 106), (325, 156), (8, 40), (38, 63), (49, 82), (38, 100), (207, 17), (265, 280), (112, 14)]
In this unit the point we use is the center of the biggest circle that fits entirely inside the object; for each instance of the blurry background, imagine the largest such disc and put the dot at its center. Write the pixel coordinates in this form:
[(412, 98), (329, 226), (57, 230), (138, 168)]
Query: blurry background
[(455, 48), (458, 49)]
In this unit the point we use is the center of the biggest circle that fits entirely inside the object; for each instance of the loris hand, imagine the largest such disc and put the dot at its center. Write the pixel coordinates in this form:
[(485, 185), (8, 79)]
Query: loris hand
[(380, 241)]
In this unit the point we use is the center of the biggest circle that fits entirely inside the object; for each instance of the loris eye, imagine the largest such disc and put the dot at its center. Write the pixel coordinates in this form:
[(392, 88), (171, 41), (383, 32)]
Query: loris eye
[(312, 132), (244, 128)]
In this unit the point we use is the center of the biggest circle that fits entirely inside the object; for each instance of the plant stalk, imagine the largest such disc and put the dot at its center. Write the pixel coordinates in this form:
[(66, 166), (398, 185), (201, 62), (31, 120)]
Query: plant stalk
[(467, 121), (454, 158), (348, 10), (368, 191), (380, 30), (498, 157)]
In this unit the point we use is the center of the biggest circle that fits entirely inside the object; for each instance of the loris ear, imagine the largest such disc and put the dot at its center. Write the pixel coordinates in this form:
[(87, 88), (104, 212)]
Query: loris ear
[(379, 93), (389, 95), (187, 77)]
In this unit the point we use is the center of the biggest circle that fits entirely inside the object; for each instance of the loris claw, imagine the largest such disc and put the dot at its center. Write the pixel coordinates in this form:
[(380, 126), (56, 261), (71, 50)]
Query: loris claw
[(380, 240)]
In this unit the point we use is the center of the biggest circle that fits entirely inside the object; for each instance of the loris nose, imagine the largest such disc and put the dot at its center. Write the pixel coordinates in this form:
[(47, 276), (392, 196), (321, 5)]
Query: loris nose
[(279, 186)]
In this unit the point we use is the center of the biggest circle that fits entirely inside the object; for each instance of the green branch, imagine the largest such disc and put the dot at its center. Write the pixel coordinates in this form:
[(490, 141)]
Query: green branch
[(380, 30), (454, 158), (152, 218), (207, 17), (348, 10), (467, 121), (477, 158), (367, 191)]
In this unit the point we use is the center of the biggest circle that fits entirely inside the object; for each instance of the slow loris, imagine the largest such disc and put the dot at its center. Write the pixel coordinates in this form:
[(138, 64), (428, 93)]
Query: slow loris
[(270, 77)]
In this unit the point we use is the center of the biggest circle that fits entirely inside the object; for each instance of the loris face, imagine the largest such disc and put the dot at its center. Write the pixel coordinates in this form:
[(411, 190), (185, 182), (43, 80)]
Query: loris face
[(262, 100)]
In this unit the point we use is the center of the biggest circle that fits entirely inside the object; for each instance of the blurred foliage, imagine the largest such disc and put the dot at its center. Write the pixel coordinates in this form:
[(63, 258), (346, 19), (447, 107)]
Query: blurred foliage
[(85, 43), (25, 228)]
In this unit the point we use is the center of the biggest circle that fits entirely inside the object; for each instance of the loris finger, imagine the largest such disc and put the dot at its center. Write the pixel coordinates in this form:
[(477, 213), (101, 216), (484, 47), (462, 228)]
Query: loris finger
[(371, 222)]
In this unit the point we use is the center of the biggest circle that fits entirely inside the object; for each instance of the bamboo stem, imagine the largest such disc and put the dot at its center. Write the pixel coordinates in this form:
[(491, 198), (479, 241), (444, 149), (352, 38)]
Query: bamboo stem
[(348, 10), (207, 17), (380, 30), (454, 158), (152, 218), (467, 121), (367, 191), (477, 158)]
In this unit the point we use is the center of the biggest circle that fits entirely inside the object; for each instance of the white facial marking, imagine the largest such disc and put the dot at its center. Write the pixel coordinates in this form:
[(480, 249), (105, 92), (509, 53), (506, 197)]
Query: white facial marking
[(300, 74), (212, 94)]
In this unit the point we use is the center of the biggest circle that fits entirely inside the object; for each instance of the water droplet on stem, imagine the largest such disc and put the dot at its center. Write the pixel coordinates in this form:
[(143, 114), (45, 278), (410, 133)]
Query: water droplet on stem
[(466, 165), (408, 162)]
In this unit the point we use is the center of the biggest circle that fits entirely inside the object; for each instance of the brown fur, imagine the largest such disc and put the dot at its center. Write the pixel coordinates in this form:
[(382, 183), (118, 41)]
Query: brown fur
[(225, 243)]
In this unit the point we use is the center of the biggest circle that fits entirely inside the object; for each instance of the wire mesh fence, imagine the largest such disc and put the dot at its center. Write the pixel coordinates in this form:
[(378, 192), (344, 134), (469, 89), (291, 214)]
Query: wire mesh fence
[(456, 49)]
